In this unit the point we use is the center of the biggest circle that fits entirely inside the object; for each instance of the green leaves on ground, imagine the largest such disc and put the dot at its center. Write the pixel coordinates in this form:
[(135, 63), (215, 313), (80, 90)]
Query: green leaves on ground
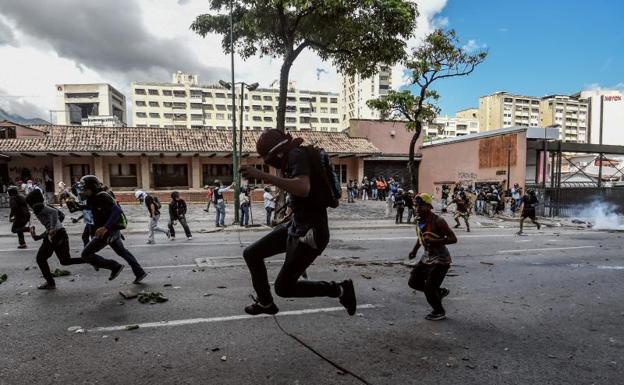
[(60, 273), (3, 278), (152, 297)]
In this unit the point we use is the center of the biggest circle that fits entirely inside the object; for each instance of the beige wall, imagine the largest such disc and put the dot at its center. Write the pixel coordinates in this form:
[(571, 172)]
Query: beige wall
[(460, 161), (391, 138)]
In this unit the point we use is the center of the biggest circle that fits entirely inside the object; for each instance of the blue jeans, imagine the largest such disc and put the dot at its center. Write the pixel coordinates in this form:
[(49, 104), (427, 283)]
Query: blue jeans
[(220, 219), (244, 215)]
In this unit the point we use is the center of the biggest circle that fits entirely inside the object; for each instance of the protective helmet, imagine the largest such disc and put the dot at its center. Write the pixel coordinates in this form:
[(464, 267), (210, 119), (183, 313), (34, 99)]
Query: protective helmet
[(34, 197), (174, 195), (90, 182), (139, 195)]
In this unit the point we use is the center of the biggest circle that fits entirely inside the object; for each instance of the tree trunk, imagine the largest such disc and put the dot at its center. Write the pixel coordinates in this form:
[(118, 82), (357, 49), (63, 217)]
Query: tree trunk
[(411, 164), (283, 92)]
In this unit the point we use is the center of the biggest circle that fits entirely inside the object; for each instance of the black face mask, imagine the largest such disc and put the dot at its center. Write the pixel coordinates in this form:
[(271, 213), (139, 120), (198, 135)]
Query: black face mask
[(275, 160)]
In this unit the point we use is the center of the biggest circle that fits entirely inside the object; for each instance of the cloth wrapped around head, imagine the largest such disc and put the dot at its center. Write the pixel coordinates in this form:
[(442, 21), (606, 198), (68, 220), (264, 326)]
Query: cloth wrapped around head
[(274, 146)]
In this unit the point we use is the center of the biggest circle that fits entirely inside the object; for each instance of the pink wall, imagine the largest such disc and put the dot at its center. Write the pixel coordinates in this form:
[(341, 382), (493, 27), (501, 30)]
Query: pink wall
[(389, 137), (450, 163)]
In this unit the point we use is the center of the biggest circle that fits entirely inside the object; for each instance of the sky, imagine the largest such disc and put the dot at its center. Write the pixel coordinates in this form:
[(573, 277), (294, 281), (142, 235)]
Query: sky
[(535, 48)]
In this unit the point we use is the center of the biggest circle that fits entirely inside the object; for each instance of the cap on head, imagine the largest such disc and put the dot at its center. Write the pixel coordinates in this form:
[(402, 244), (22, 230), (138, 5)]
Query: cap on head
[(424, 198), (139, 194), (271, 142), (90, 182)]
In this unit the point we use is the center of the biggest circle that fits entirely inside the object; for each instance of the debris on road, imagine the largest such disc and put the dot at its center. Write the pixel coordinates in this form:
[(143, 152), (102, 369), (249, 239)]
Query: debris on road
[(167, 285), (223, 358), (486, 263), (207, 294), (131, 327), (128, 294), (60, 273), (366, 276), (3, 278), (152, 297), (73, 328)]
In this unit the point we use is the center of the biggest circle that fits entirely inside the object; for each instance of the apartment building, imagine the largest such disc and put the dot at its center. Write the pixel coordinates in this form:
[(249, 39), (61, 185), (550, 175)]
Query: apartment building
[(570, 114), (468, 113), (184, 103), (501, 110), (75, 102), (444, 127), (355, 91)]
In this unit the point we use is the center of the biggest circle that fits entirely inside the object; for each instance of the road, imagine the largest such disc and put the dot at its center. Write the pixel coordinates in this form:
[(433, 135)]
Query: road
[(544, 308)]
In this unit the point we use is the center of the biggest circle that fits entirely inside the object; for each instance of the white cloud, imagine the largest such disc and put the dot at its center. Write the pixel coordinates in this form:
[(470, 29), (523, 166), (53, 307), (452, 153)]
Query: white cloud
[(148, 41), (473, 46)]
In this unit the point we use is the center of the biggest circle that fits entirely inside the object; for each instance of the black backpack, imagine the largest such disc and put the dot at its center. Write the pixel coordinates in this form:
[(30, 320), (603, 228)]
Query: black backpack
[(329, 191), (157, 203)]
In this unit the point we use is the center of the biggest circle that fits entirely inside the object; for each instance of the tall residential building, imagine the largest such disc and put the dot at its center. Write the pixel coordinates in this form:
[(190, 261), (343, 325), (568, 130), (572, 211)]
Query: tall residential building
[(501, 110), (570, 114), (449, 127), (468, 113), (355, 91), (75, 102), (608, 104), (184, 103)]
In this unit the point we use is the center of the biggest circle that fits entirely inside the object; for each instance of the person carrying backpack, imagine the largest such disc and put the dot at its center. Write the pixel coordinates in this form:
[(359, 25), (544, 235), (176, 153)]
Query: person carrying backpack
[(177, 213), (108, 221), (153, 206), (55, 239), (219, 202), (309, 179)]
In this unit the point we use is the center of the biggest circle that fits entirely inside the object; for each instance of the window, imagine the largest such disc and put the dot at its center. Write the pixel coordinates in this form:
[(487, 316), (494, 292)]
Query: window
[(179, 116), (267, 98), (220, 95), (304, 110), (179, 106), (207, 115), (196, 106), (139, 91), (256, 107), (211, 172), (196, 94), (323, 110), (208, 107), (153, 104), (167, 92), (334, 100), (140, 103), (335, 121), (179, 94), (207, 94), (257, 119), (291, 120), (141, 115), (304, 119), (197, 117), (123, 175), (168, 115), (170, 175), (291, 99), (154, 126), (267, 108), (220, 116), (324, 120), (77, 171), (154, 115), (8, 133), (167, 104), (334, 110), (268, 119), (256, 97), (323, 100), (341, 172), (220, 107), (153, 92)]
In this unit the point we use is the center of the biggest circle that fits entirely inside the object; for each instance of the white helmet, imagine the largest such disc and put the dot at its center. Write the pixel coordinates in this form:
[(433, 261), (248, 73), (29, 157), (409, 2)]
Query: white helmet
[(139, 194)]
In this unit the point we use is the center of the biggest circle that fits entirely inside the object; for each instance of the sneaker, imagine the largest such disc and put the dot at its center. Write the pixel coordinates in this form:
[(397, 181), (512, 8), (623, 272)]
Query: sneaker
[(189, 238), (444, 292), (258, 308), (140, 278), (539, 226), (172, 239), (150, 242), (115, 272), (168, 234), (519, 233), (22, 246), (47, 286), (456, 227), (468, 229), (347, 298), (435, 316)]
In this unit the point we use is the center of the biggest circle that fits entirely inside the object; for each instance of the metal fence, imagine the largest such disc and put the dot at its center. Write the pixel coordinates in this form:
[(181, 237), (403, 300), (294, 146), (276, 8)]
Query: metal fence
[(571, 201)]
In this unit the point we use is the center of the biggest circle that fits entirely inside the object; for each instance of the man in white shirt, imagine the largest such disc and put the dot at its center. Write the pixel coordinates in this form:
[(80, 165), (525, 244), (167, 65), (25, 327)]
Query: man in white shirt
[(220, 202), (269, 204)]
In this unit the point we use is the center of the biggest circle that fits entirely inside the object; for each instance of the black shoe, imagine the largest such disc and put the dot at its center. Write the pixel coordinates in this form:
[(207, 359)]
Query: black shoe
[(115, 272), (444, 292), (347, 299), (140, 278), (47, 286), (258, 308), (538, 226), (435, 316)]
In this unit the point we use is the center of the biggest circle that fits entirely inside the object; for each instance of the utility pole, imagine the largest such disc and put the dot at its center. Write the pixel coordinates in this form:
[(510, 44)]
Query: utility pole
[(234, 155)]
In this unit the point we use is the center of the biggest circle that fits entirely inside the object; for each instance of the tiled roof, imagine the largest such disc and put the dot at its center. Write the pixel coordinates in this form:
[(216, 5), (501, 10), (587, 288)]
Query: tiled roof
[(78, 139)]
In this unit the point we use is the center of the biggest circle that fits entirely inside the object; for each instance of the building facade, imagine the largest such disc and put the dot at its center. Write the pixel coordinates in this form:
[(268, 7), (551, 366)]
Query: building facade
[(501, 110), (606, 116), (450, 127), (355, 91), (75, 102), (570, 114), (468, 113), (184, 103)]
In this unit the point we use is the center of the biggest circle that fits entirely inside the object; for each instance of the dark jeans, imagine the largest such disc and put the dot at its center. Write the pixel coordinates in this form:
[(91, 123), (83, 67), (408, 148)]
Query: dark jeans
[(114, 241), (59, 246), (399, 214), (269, 213), (20, 228), (410, 214), (428, 278), (182, 220), (299, 256), (244, 215), (86, 234)]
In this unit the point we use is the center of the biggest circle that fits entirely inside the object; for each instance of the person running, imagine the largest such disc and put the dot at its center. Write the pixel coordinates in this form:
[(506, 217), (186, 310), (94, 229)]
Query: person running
[(209, 193), (445, 195), (528, 204), (305, 178), (245, 204), (409, 204), (153, 209), (462, 210), (177, 213), (19, 216), (219, 202), (55, 239), (399, 204), (108, 221), (269, 204), (433, 233)]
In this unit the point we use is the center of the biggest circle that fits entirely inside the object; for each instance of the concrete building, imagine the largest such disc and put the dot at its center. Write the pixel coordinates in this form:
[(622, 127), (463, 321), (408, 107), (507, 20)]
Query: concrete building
[(184, 103), (355, 91), (468, 113), (606, 116), (450, 127), (501, 110), (75, 102), (570, 114)]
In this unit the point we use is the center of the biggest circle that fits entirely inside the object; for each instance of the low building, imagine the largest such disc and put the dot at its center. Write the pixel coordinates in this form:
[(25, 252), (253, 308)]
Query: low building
[(155, 159), (75, 102)]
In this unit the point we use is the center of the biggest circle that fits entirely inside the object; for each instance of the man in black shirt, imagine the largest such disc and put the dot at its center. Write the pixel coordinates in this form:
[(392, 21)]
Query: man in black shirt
[(153, 209), (177, 213), (19, 215), (303, 238), (528, 204)]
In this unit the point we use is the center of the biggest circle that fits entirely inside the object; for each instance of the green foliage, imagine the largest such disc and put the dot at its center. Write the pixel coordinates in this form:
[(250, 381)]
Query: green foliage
[(355, 35)]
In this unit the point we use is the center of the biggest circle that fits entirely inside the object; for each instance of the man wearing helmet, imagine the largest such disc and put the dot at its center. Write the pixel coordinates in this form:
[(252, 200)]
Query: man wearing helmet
[(528, 204), (19, 215), (303, 238), (108, 221), (177, 213)]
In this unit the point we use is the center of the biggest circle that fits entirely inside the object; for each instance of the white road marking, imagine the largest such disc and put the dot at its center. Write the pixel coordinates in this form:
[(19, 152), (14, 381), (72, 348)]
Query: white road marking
[(168, 267), (193, 321), (547, 249)]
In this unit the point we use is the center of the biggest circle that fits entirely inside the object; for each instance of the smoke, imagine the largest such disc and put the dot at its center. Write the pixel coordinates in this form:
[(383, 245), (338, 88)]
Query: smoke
[(602, 216)]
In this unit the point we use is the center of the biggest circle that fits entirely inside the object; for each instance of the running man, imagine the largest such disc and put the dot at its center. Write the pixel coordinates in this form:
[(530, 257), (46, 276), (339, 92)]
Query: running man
[(153, 209), (302, 239), (528, 204), (19, 216), (433, 233), (462, 210), (177, 213)]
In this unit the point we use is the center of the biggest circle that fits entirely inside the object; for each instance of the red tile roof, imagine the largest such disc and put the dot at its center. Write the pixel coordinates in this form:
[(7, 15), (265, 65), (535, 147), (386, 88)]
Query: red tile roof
[(78, 139)]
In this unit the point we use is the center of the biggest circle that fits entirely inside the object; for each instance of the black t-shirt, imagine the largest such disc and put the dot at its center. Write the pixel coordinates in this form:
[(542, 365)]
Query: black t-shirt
[(149, 200), (101, 206), (306, 211), (530, 201)]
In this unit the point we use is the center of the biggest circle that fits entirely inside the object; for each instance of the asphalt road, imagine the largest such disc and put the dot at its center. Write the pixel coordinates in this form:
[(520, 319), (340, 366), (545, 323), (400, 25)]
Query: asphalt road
[(541, 309)]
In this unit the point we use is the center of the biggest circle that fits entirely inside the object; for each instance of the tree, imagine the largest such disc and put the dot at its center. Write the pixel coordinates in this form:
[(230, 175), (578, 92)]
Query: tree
[(439, 57), (355, 35)]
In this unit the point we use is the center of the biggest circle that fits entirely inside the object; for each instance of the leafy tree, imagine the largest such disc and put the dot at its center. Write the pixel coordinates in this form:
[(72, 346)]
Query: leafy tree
[(355, 35), (439, 57)]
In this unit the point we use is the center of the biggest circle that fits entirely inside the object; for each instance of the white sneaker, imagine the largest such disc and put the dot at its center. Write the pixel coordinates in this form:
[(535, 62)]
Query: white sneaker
[(189, 238)]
